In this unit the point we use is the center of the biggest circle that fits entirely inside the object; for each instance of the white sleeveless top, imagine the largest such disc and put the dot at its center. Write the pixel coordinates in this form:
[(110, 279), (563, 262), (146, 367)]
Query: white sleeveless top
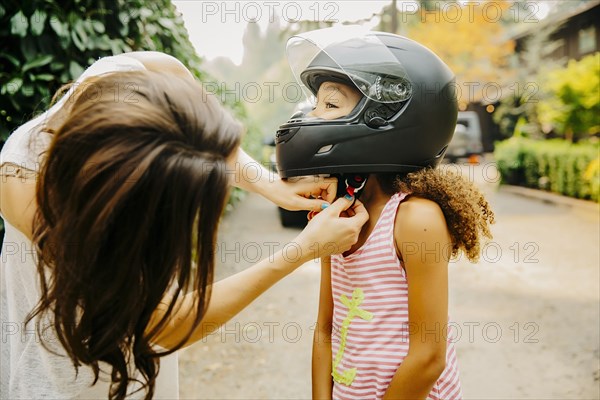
[(27, 369)]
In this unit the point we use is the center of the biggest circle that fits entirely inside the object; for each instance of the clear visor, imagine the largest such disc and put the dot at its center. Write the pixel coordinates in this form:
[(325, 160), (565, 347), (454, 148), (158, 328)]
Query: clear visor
[(352, 51)]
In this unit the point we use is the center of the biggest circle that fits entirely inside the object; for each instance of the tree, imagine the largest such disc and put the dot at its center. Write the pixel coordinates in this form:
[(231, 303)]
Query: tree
[(472, 41), (263, 81), (572, 106), (46, 44)]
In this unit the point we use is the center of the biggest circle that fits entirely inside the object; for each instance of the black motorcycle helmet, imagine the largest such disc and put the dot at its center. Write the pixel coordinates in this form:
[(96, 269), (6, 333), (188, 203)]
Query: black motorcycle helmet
[(403, 123)]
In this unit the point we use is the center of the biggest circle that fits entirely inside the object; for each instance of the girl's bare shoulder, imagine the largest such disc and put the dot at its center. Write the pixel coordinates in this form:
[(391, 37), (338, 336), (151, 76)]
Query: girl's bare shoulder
[(418, 208), (421, 218)]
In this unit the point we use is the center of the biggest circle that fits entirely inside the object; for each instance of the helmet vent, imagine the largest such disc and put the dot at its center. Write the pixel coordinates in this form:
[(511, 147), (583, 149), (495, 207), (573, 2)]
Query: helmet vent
[(325, 149)]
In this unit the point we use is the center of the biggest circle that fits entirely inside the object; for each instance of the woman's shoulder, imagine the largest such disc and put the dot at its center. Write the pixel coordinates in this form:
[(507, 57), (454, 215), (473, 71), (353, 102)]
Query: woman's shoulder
[(116, 63)]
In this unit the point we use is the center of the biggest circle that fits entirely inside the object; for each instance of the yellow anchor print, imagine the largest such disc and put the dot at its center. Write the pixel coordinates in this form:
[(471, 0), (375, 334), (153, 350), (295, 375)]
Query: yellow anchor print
[(347, 376)]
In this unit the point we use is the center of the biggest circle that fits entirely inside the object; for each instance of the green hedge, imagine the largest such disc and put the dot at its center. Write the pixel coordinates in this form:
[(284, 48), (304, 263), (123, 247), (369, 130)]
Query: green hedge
[(555, 165)]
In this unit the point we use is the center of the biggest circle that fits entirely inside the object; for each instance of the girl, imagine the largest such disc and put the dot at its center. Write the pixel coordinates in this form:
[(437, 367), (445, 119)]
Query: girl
[(107, 263), (384, 116)]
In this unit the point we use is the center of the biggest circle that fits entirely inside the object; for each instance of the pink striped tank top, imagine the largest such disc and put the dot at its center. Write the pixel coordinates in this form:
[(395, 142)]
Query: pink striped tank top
[(370, 318)]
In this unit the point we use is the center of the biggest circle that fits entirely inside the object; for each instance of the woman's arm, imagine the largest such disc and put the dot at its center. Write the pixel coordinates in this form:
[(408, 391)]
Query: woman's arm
[(250, 175), (322, 383), (423, 241), (233, 294), (17, 197)]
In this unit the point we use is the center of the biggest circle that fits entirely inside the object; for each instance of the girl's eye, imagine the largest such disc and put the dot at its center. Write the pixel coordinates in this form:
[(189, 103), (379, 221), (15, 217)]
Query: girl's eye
[(330, 105)]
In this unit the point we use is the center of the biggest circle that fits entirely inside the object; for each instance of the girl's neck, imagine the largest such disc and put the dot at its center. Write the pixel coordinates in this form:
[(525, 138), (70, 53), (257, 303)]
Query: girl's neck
[(373, 197)]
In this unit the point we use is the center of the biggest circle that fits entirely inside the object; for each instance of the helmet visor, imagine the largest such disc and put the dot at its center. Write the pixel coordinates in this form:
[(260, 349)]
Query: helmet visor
[(350, 51)]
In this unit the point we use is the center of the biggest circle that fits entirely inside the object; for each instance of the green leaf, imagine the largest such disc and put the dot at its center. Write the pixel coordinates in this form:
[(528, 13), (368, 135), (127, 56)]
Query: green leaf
[(115, 46), (57, 66), (38, 62), (152, 30), (12, 86), (73, 18), (80, 44), (166, 23), (45, 92), (124, 17), (59, 27), (101, 42), (98, 26), (145, 13), (44, 77), (28, 89), (10, 58), (65, 43), (80, 29), (124, 30), (19, 24), (75, 69), (37, 21)]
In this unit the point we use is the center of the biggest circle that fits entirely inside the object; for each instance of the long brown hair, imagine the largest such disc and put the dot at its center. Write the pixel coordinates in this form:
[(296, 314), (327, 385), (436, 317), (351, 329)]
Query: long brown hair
[(130, 195)]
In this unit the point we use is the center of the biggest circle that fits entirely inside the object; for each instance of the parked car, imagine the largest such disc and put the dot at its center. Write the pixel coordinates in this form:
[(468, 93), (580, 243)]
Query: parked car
[(467, 137), (289, 219)]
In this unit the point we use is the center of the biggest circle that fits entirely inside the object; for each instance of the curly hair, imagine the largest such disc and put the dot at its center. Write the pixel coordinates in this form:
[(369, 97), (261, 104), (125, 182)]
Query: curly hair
[(467, 212)]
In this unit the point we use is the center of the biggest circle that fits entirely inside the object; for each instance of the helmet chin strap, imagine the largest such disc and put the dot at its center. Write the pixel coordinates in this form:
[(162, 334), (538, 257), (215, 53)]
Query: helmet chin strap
[(354, 183)]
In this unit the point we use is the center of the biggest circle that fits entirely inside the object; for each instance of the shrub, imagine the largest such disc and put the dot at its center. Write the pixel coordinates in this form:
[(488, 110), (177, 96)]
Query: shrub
[(572, 104), (555, 165), (47, 44)]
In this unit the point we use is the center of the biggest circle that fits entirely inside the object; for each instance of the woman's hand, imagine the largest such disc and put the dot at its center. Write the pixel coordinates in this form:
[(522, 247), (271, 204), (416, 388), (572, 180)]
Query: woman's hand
[(306, 193), (330, 232)]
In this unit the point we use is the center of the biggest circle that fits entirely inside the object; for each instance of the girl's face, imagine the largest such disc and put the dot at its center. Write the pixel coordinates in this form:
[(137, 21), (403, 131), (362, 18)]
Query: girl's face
[(335, 100)]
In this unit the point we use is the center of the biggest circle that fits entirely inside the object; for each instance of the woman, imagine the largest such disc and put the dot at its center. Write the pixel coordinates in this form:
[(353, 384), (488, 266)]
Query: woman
[(112, 200)]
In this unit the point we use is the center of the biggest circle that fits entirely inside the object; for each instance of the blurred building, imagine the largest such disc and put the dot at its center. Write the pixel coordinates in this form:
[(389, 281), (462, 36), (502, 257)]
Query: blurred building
[(576, 32), (572, 35)]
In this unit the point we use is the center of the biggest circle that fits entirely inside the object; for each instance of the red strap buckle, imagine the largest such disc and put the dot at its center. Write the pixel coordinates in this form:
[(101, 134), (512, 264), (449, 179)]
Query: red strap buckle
[(351, 189)]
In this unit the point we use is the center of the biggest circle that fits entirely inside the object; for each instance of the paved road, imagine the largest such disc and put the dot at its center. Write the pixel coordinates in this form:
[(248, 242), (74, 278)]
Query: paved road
[(528, 314)]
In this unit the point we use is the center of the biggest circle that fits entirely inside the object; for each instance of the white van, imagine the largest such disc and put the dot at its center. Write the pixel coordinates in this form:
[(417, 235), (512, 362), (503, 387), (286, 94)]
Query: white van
[(467, 137)]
